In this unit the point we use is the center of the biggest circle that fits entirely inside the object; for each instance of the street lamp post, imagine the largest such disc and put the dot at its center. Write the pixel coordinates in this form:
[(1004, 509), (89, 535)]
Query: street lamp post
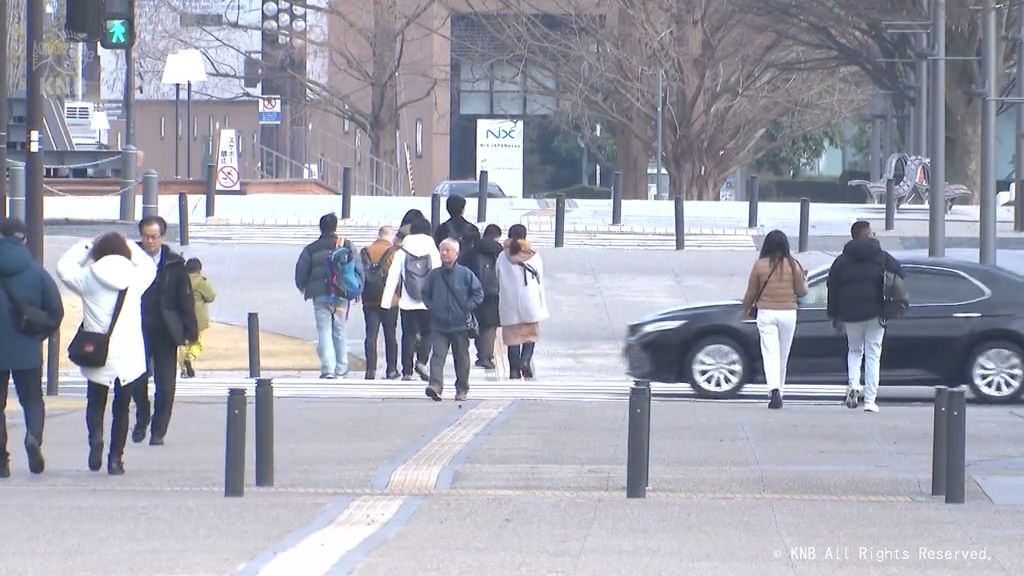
[(937, 177), (183, 67), (660, 195), (987, 253)]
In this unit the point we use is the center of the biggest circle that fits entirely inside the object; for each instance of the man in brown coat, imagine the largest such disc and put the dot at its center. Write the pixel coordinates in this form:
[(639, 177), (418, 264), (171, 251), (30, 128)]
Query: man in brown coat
[(376, 262)]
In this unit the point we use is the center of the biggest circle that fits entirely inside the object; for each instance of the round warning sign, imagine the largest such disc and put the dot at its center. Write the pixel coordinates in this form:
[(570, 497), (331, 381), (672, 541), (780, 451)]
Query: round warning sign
[(269, 104), (227, 178)]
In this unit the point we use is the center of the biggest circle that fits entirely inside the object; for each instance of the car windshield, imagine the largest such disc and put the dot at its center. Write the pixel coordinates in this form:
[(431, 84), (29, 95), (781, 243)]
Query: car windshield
[(817, 290), (472, 188)]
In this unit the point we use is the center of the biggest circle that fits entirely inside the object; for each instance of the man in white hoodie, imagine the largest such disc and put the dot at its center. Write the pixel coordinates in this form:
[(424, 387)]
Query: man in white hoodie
[(416, 257)]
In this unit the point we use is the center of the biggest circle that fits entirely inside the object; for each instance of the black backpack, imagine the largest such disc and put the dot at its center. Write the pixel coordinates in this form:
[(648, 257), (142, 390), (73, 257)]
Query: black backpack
[(375, 277), (415, 274), (462, 235), (486, 270)]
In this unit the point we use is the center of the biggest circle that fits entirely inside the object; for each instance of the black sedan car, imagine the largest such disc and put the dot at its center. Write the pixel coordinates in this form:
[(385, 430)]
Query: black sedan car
[(965, 324)]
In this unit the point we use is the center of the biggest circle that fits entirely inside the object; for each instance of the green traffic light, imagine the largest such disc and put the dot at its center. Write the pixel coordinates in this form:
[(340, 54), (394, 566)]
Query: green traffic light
[(117, 34)]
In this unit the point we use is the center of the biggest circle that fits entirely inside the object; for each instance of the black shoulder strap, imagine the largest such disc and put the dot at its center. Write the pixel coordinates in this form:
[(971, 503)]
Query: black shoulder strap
[(765, 285), (117, 310)]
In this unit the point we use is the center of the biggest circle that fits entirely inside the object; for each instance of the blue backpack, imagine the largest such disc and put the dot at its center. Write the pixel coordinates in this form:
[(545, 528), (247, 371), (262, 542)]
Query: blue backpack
[(343, 283)]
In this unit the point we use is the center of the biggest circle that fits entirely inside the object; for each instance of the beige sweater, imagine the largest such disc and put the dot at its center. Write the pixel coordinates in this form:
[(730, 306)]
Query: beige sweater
[(788, 283)]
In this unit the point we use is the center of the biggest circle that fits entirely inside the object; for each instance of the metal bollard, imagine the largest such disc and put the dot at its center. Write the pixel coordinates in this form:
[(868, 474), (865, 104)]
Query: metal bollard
[(150, 193), (234, 452), (956, 446), (753, 197), (16, 185), (346, 192), (680, 225), (617, 199), (481, 197), (265, 432), (211, 190), (559, 220), (805, 224), (435, 211), (53, 364), (128, 183), (182, 219), (939, 441), (254, 344), (638, 443), (890, 204)]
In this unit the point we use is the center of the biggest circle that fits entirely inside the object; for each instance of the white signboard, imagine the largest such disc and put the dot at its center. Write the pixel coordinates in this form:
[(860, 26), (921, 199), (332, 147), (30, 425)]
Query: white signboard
[(270, 109), (499, 150), (228, 177)]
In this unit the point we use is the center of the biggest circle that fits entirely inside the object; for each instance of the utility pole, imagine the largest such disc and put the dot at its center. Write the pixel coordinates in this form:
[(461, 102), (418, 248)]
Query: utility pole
[(987, 254), (1018, 163), (659, 194), (3, 109), (921, 93), (34, 123), (937, 177)]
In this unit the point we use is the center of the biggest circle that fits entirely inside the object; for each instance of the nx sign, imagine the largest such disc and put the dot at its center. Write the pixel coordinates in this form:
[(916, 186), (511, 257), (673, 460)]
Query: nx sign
[(499, 150)]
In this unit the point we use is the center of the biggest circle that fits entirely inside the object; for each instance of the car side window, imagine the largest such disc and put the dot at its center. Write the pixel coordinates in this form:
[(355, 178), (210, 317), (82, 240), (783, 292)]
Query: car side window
[(936, 286), (817, 294)]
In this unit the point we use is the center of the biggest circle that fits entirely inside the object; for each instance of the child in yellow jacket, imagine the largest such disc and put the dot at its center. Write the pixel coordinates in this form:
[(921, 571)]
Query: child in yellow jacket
[(203, 293)]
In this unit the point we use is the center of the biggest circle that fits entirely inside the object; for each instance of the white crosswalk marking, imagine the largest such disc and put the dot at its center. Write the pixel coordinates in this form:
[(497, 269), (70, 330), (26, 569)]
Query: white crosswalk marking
[(364, 235)]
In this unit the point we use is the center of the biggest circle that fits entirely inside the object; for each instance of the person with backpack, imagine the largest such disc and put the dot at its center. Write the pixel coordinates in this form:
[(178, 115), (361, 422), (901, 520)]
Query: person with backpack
[(329, 272), (457, 227), (410, 266), (376, 263), (482, 260), (856, 300), (30, 311)]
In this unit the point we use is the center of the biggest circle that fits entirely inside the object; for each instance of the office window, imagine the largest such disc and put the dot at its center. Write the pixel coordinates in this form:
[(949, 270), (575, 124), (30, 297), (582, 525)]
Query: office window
[(195, 127), (419, 138), (474, 89), (163, 127)]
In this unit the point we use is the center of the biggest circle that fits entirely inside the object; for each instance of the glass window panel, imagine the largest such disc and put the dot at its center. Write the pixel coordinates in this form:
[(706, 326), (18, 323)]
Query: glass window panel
[(475, 103), (474, 77), (508, 103)]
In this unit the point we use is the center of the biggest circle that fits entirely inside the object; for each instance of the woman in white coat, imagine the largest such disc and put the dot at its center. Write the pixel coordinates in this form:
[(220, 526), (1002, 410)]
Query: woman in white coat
[(98, 271), (521, 301)]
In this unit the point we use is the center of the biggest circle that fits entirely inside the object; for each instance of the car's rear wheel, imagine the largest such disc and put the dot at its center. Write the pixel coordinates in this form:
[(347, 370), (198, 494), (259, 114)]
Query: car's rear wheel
[(995, 371), (716, 367)]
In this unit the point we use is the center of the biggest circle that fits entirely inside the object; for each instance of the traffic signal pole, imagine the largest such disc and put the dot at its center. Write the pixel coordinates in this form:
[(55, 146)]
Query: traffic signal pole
[(3, 110), (34, 62)]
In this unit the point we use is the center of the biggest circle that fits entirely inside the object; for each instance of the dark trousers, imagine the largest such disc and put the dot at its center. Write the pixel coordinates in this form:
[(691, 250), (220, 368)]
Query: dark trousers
[(459, 344), (415, 339), (520, 360), (29, 386), (375, 317), (96, 406), (485, 344), (162, 357)]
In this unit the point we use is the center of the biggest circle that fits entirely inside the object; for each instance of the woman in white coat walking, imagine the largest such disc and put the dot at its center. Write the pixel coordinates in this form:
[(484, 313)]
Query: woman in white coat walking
[(522, 304), (98, 272)]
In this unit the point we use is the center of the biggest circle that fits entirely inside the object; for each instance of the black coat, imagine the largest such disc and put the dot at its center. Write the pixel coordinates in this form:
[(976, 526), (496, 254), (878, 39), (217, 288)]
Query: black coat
[(855, 281), (168, 306), (30, 284), (487, 312)]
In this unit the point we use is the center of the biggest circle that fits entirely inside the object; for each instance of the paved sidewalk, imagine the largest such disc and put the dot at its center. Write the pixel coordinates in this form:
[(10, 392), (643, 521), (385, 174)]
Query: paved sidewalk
[(524, 487)]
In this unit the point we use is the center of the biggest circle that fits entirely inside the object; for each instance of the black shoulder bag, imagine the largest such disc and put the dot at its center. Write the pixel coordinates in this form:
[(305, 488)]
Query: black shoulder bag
[(471, 324), (89, 349), (28, 319)]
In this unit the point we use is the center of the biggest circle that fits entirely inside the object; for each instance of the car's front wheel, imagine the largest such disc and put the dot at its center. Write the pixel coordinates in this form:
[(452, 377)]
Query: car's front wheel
[(716, 367), (995, 371)]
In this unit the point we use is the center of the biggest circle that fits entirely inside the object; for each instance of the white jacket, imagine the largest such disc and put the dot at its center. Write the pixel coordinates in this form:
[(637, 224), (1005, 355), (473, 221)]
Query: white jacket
[(417, 245), (98, 283), (521, 298)]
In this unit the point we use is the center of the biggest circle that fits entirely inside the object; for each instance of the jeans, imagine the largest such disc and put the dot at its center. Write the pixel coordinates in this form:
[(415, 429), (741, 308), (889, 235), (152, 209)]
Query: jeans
[(29, 385), (96, 406), (864, 340), (485, 344), (459, 344), (415, 339), (332, 345), (375, 317), (163, 362), (775, 329)]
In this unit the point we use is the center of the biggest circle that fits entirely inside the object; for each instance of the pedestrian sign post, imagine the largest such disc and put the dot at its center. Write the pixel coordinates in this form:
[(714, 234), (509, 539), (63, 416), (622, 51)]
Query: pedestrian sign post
[(228, 178), (270, 110)]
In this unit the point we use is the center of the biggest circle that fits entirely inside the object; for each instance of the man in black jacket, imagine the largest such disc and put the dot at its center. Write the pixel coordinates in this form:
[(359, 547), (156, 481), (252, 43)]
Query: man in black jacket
[(168, 321), (856, 299), (457, 227)]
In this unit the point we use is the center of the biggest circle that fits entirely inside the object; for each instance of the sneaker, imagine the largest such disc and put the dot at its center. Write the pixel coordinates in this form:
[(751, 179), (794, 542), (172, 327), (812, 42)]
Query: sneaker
[(341, 373), (36, 464), (852, 398), (370, 375), (183, 374), (156, 440), (776, 400), (394, 375), (96, 456), (461, 395), (139, 432), (406, 377), (327, 376), (433, 394), (870, 407), (421, 371)]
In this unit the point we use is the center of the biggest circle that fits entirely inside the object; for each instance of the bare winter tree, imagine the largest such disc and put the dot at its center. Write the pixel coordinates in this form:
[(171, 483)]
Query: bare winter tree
[(53, 54), (727, 80)]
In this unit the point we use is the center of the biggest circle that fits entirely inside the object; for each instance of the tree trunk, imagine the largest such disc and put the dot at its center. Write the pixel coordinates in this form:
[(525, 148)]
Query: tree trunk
[(632, 156), (384, 98), (963, 142)]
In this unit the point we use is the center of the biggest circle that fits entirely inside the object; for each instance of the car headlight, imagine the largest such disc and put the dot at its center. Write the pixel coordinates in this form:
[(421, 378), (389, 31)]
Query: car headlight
[(661, 326)]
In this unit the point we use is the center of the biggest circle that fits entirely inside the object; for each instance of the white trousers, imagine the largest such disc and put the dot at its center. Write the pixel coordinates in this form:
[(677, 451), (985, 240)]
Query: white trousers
[(776, 329), (864, 341)]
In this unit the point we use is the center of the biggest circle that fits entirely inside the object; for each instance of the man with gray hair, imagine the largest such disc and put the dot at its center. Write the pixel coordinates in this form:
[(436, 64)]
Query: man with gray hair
[(451, 293)]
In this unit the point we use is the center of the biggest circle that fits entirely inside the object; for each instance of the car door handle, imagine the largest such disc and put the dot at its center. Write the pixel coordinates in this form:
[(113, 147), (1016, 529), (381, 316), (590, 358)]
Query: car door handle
[(967, 315)]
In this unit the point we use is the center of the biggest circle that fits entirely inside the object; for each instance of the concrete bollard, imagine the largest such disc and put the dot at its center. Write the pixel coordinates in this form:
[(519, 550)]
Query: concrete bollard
[(939, 441), (264, 432), (16, 189), (680, 224), (182, 219), (211, 190), (435, 211), (956, 446), (254, 344), (150, 194), (890, 204), (617, 199), (559, 220), (346, 192), (481, 197), (638, 444), (805, 224), (53, 364), (753, 197), (234, 457), (131, 156)]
